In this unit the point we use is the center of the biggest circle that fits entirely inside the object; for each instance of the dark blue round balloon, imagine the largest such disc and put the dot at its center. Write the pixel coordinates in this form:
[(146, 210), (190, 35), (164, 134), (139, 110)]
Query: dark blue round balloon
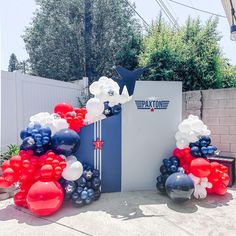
[(161, 187), (116, 109), (24, 134), (97, 194), (78, 202), (195, 151), (84, 194), (65, 142), (96, 183), (68, 187), (207, 139), (203, 143), (179, 187), (167, 163), (107, 110), (96, 173), (75, 195), (28, 144), (163, 169), (81, 182), (204, 150)]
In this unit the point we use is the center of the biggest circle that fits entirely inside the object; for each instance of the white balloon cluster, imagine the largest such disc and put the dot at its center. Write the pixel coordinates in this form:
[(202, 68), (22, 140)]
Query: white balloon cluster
[(104, 90), (200, 185), (73, 170), (53, 121), (190, 130)]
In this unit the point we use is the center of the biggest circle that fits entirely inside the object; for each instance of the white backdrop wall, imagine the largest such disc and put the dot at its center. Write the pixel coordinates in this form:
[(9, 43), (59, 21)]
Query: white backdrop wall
[(24, 95)]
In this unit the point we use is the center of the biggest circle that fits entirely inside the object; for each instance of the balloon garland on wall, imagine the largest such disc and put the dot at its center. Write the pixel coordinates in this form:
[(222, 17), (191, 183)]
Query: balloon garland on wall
[(189, 171), (46, 169)]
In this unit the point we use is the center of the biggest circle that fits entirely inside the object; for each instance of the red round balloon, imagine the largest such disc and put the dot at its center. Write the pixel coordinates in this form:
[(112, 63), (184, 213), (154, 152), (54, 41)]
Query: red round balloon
[(4, 183), (19, 199), (200, 167), (10, 175), (220, 188), (45, 198), (63, 108)]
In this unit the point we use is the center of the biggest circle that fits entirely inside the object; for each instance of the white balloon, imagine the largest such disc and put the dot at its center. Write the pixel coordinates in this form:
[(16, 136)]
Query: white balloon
[(182, 143), (94, 107), (71, 158), (95, 88), (197, 125), (73, 170)]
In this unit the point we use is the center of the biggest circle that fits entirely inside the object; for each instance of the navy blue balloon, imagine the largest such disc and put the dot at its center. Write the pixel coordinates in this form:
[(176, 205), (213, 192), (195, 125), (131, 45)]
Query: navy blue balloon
[(68, 187), (195, 151), (116, 109), (204, 150), (161, 187), (163, 169), (179, 187), (207, 139), (203, 143), (96, 173), (107, 110), (84, 194), (173, 169), (75, 195), (65, 142), (81, 182), (28, 144), (96, 183), (97, 194), (78, 202), (24, 134), (167, 163), (90, 192)]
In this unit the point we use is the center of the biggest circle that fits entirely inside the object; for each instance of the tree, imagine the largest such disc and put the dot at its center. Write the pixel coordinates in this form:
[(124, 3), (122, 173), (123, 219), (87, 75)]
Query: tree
[(13, 63), (190, 54), (69, 38)]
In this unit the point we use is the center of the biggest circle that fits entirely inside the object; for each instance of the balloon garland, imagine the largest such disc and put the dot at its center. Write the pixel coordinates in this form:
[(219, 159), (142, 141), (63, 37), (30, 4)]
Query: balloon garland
[(46, 169), (188, 171)]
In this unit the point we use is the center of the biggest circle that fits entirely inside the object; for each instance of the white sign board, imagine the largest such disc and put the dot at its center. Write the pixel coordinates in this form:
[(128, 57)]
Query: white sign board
[(149, 123)]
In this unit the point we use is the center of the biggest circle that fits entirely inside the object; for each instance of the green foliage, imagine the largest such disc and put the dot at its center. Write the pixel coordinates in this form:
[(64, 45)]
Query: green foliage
[(56, 39), (13, 63), (191, 54), (12, 150)]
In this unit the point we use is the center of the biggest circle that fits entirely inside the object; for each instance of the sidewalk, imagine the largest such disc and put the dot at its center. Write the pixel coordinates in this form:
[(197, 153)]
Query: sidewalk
[(125, 214)]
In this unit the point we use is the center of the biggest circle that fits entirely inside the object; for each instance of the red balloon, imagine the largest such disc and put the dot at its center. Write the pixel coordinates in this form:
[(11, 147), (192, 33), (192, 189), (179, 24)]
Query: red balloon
[(5, 165), (225, 179), (15, 161), (19, 199), (220, 188), (45, 198), (10, 175), (4, 183), (200, 167), (63, 108), (46, 171)]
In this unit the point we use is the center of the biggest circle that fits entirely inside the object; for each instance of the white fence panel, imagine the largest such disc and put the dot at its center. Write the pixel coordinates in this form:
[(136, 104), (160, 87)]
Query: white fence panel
[(24, 95)]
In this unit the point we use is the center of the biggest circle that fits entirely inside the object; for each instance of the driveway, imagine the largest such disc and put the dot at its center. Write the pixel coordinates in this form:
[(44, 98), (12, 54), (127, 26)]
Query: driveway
[(125, 214)]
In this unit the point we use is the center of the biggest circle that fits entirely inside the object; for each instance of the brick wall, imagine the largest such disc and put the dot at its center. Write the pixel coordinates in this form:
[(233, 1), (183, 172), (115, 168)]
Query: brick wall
[(217, 109)]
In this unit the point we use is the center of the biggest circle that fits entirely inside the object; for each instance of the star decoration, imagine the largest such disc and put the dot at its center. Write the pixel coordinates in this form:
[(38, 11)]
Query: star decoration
[(107, 112), (98, 144), (110, 93), (89, 174), (152, 109), (127, 78)]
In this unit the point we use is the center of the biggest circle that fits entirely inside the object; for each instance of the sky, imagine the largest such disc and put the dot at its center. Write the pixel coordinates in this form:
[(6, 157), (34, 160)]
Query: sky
[(17, 14)]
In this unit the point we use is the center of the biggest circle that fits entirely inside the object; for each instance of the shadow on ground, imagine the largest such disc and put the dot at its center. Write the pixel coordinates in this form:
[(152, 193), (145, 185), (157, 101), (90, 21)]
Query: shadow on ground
[(122, 206)]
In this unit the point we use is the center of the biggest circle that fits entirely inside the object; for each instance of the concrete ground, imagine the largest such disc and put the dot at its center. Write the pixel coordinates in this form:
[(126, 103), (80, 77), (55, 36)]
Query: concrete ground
[(126, 214)]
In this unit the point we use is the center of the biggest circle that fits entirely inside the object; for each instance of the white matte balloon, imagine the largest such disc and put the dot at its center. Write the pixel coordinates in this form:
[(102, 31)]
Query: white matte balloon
[(94, 107), (73, 170)]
